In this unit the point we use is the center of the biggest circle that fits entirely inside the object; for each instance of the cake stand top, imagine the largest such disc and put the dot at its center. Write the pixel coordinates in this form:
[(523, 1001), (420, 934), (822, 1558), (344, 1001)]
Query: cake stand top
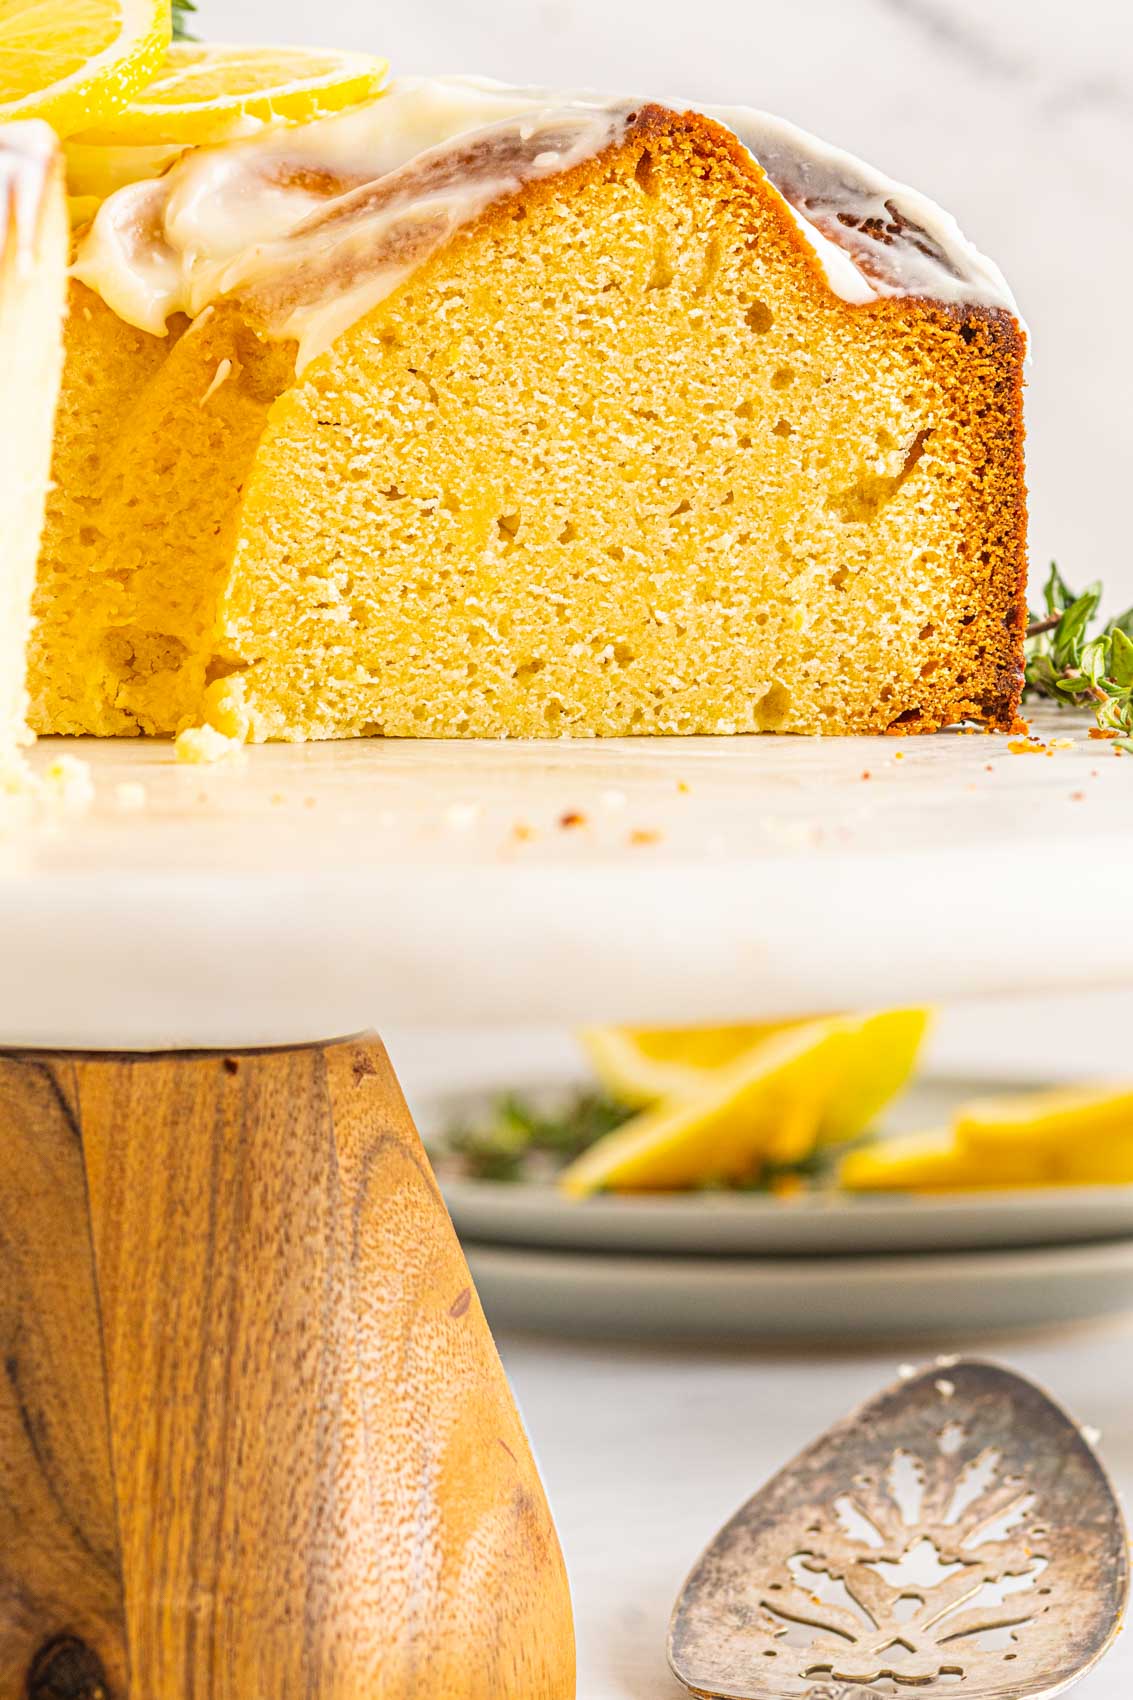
[(295, 893)]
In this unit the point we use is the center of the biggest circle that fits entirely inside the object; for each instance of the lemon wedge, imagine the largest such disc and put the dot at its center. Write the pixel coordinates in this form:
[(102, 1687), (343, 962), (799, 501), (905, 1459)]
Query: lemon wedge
[(932, 1162), (1067, 1136), (204, 92), (877, 1061), (773, 1103), (640, 1065), (77, 62), (1071, 1117), (936, 1162)]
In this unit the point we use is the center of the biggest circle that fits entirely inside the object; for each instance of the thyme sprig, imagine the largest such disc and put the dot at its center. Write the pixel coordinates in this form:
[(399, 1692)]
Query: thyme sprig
[(181, 9), (1067, 664), (520, 1140)]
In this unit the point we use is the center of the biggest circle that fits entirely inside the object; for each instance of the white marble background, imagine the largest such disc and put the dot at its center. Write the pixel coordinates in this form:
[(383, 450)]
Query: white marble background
[(1016, 114)]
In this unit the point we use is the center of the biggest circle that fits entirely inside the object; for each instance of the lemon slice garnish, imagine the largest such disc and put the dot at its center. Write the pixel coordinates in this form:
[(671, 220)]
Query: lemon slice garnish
[(931, 1162), (82, 209), (205, 92), (98, 171), (805, 1083), (876, 1064), (935, 1162), (77, 62), (640, 1065), (1066, 1136), (1062, 1116)]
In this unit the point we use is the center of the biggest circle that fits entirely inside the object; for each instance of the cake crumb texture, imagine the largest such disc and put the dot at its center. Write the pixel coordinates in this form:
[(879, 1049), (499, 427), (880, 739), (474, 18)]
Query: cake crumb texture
[(614, 460)]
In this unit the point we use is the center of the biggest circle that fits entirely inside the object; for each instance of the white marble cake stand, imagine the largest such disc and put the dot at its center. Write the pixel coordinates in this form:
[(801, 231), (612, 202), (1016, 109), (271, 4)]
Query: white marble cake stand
[(253, 1436), (301, 892)]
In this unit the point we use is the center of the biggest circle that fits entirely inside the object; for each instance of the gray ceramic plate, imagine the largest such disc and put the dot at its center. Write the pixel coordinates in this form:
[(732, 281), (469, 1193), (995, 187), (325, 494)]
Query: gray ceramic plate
[(930, 1296), (755, 1225)]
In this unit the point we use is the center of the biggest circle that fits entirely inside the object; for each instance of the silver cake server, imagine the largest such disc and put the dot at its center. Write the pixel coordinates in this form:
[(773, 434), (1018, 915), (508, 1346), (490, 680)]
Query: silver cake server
[(956, 1536)]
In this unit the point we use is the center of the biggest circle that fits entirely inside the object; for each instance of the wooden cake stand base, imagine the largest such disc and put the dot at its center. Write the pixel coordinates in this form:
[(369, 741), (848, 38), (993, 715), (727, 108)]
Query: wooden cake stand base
[(255, 1439)]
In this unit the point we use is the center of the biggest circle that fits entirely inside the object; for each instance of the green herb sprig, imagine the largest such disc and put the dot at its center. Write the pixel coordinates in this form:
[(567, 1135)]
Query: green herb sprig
[(517, 1141), (181, 9), (1067, 664), (517, 1138)]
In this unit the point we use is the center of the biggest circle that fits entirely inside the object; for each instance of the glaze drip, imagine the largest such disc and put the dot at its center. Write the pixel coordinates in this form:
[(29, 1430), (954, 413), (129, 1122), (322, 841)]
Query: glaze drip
[(899, 240), (315, 224)]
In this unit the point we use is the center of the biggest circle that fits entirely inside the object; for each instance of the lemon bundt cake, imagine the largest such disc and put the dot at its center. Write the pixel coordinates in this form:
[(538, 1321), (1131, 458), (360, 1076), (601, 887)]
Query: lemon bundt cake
[(33, 262), (481, 411)]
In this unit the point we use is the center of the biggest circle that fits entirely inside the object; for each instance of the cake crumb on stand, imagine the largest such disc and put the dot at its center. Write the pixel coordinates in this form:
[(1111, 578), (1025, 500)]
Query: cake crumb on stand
[(201, 745), (66, 784), (64, 787)]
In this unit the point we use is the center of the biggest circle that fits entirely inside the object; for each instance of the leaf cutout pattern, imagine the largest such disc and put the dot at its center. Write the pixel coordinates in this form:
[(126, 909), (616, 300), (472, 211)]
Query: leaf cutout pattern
[(956, 1536)]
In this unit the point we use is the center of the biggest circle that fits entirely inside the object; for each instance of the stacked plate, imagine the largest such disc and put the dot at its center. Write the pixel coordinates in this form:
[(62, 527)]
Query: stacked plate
[(817, 1266)]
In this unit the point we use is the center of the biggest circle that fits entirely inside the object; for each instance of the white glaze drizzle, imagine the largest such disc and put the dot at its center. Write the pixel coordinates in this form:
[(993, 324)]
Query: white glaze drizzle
[(319, 222), (899, 239)]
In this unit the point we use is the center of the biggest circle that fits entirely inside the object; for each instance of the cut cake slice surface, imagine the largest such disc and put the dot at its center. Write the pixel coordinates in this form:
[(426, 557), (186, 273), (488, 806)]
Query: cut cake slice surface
[(606, 450), (33, 260)]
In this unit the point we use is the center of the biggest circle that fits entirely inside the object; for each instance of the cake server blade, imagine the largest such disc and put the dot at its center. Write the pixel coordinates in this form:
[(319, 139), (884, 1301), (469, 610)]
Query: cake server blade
[(956, 1536)]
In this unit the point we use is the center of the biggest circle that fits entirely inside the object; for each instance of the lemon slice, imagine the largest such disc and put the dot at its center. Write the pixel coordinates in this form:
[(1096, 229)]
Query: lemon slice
[(639, 1065), (98, 171), (875, 1066), (773, 1103), (205, 92), (936, 1162), (1071, 1117), (932, 1162), (77, 62), (642, 1065), (82, 209)]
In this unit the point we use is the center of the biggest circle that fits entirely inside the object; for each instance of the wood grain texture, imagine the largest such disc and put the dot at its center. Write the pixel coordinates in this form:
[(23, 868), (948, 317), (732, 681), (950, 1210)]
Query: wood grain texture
[(236, 1279), (60, 1572)]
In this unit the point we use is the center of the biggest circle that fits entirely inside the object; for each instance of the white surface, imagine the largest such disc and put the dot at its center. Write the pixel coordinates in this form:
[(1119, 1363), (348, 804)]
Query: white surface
[(301, 892), (1017, 115), (646, 1451), (916, 1296)]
